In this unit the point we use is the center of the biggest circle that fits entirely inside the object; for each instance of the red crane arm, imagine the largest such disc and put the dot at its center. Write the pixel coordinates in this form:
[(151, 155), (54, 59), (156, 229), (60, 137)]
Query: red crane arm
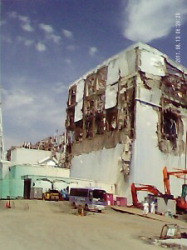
[(142, 187), (166, 176)]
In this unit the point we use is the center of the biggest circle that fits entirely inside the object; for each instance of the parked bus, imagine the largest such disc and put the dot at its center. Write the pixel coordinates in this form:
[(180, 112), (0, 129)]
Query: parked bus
[(90, 198)]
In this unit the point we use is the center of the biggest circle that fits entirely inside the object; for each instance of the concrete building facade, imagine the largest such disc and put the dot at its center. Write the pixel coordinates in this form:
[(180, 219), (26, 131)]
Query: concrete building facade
[(127, 119)]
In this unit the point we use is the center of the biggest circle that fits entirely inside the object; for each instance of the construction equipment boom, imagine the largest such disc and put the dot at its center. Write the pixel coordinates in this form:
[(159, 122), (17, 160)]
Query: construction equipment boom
[(143, 187), (181, 201)]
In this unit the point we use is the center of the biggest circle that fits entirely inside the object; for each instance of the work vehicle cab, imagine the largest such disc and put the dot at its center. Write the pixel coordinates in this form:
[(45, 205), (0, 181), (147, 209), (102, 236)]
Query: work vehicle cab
[(52, 195)]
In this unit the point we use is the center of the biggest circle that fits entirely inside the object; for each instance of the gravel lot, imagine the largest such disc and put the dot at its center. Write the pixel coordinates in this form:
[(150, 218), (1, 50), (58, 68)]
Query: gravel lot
[(56, 226)]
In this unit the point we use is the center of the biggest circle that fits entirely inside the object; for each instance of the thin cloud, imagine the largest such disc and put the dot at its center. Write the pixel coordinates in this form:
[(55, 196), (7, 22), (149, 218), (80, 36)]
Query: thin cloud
[(67, 33), (16, 99), (40, 47), (29, 110), (56, 39), (50, 33), (145, 20), (60, 88), (27, 27), (46, 28), (25, 41), (28, 42), (92, 51), (24, 19)]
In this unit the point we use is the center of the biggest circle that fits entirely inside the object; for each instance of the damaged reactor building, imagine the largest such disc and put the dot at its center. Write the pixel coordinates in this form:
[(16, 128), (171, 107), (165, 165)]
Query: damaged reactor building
[(127, 119)]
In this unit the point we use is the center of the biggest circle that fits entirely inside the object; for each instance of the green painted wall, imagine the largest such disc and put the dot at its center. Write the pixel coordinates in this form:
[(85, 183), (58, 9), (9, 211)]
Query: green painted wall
[(12, 184)]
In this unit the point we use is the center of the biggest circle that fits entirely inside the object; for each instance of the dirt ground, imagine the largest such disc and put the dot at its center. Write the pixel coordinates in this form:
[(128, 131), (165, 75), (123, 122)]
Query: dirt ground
[(47, 225)]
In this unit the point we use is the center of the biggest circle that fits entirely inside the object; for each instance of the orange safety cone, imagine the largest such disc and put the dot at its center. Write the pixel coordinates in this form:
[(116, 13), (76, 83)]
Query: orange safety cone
[(8, 204)]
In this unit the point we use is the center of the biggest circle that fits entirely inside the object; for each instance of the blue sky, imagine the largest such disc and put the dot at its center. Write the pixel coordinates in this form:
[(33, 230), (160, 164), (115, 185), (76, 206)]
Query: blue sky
[(48, 44)]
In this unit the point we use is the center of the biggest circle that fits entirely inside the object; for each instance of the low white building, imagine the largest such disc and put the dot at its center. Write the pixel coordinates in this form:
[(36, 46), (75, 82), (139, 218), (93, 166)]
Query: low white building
[(27, 169), (127, 119), (32, 170)]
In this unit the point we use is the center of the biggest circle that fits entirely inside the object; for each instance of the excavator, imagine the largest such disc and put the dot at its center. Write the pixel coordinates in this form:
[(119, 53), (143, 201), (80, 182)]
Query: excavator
[(181, 201), (142, 187)]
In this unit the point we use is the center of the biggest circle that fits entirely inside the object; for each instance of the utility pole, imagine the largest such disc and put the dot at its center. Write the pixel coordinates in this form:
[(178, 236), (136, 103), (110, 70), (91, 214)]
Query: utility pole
[(1, 129)]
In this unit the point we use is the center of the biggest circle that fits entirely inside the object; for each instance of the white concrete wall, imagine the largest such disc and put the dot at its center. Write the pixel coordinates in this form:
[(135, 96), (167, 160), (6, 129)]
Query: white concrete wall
[(39, 171), (149, 161), (102, 166), (28, 156)]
